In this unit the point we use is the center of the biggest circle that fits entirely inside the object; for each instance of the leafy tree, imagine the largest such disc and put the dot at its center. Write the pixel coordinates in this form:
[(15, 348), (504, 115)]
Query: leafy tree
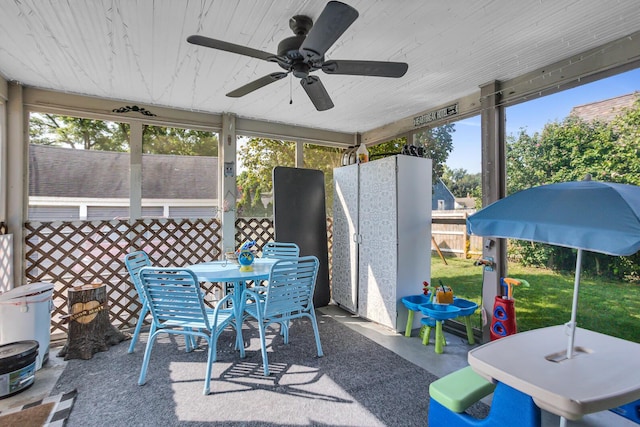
[(89, 134), (179, 141), (624, 162), (259, 156), (437, 144), (324, 159), (525, 168), (461, 183), (563, 151), (76, 132), (567, 151), (388, 148)]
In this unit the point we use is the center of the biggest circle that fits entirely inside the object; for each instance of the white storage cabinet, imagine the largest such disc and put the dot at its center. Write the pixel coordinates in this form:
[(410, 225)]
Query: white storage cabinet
[(381, 237)]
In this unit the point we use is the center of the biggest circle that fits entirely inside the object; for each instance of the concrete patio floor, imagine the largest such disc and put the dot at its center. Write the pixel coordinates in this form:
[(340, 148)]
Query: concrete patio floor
[(411, 349)]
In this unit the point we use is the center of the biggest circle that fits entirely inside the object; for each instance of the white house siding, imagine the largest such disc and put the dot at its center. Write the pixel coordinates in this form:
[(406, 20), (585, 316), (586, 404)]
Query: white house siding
[(50, 213)]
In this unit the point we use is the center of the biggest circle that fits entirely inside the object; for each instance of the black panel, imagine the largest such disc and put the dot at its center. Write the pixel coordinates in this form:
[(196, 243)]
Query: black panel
[(300, 216)]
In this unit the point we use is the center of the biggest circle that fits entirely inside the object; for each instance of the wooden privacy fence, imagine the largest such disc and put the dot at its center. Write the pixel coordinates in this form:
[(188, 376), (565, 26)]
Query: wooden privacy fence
[(76, 253), (449, 231)]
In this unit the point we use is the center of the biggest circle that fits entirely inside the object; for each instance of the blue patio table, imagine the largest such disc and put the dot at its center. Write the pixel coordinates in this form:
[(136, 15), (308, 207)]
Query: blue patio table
[(229, 272)]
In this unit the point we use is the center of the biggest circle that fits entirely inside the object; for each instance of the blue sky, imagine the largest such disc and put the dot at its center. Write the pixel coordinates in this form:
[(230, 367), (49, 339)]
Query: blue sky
[(533, 115)]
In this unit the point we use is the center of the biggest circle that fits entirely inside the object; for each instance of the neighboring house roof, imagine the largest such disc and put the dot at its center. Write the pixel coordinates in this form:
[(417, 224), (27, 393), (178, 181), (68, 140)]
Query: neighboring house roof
[(466, 202), (605, 110), (442, 192), (63, 172)]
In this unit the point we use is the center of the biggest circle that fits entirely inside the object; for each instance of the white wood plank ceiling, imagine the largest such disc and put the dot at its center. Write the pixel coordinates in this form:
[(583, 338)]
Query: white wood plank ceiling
[(136, 50)]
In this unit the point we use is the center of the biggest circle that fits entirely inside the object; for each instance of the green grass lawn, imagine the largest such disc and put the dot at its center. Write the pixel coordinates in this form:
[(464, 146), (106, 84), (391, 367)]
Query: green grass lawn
[(605, 306)]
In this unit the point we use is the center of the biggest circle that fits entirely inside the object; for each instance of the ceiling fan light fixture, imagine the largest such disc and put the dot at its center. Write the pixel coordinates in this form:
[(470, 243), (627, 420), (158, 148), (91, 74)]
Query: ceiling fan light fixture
[(300, 69)]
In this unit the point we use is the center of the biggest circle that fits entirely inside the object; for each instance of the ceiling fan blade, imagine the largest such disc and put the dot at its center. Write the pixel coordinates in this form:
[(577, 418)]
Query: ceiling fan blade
[(332, 22), (366, 68), (317, 93), (256, 84), (229, 47)]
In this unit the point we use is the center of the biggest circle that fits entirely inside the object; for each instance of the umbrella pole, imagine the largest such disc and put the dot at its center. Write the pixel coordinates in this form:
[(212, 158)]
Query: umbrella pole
[(574, 306)]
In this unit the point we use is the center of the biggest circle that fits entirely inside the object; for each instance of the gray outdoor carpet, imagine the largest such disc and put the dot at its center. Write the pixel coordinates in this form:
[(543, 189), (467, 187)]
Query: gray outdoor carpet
[(356, 383)]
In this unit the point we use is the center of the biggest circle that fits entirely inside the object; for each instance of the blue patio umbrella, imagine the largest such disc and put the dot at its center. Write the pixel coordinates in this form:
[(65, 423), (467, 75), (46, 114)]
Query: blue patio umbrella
[(585, 215)]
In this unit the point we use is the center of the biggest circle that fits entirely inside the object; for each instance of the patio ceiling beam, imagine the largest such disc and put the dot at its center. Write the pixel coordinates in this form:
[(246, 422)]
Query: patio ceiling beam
[(466, 107), (612, 58), (47, 101), (256, 128)]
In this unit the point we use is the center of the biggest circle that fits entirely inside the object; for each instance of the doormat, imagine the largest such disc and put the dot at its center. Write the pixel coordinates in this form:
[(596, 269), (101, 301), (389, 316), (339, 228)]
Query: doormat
[(51, 411)]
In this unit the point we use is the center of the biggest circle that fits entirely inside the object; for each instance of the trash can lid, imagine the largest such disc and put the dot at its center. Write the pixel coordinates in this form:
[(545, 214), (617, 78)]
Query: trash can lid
[(18, 350), (32, 289)]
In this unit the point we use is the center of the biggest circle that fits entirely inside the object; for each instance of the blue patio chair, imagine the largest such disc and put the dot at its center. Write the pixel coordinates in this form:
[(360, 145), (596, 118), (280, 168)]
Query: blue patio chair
[(280, 250), (177, 306), (134, 261), (288, 295)]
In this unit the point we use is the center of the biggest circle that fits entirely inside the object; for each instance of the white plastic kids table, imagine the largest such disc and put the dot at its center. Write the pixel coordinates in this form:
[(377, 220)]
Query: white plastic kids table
[(603, 373)]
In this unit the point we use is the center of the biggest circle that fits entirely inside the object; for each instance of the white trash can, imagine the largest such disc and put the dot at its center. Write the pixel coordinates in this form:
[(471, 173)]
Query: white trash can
[(25, 314)]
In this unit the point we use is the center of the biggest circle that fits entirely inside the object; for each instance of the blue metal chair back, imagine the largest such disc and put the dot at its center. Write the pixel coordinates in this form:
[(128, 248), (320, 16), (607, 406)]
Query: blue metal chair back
[(174, 297), (177, 306), (280, 250), (291, 286), (287, 296), (134, 261)]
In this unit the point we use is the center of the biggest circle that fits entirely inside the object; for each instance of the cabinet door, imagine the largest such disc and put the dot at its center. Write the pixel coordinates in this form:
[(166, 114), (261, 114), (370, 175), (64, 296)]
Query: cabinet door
[(344, 260), (414, 230), (378, 263)]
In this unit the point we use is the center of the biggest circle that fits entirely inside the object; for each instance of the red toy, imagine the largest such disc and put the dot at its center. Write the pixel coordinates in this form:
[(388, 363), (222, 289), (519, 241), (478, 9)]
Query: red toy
[(425, 287), (503, 322)]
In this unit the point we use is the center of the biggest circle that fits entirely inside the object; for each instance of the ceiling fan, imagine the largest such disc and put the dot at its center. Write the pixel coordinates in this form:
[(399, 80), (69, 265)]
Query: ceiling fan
[(304, 53)]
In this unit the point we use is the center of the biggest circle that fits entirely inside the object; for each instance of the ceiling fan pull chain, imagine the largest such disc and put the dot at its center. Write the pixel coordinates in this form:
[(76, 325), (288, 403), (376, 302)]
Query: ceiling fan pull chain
[(290, 89)]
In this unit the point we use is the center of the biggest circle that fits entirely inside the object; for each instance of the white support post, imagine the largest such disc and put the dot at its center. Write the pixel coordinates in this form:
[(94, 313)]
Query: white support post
[(493, 188), (17, 175), (3, 152), (227, 180), (299, 154), (135, 171)]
